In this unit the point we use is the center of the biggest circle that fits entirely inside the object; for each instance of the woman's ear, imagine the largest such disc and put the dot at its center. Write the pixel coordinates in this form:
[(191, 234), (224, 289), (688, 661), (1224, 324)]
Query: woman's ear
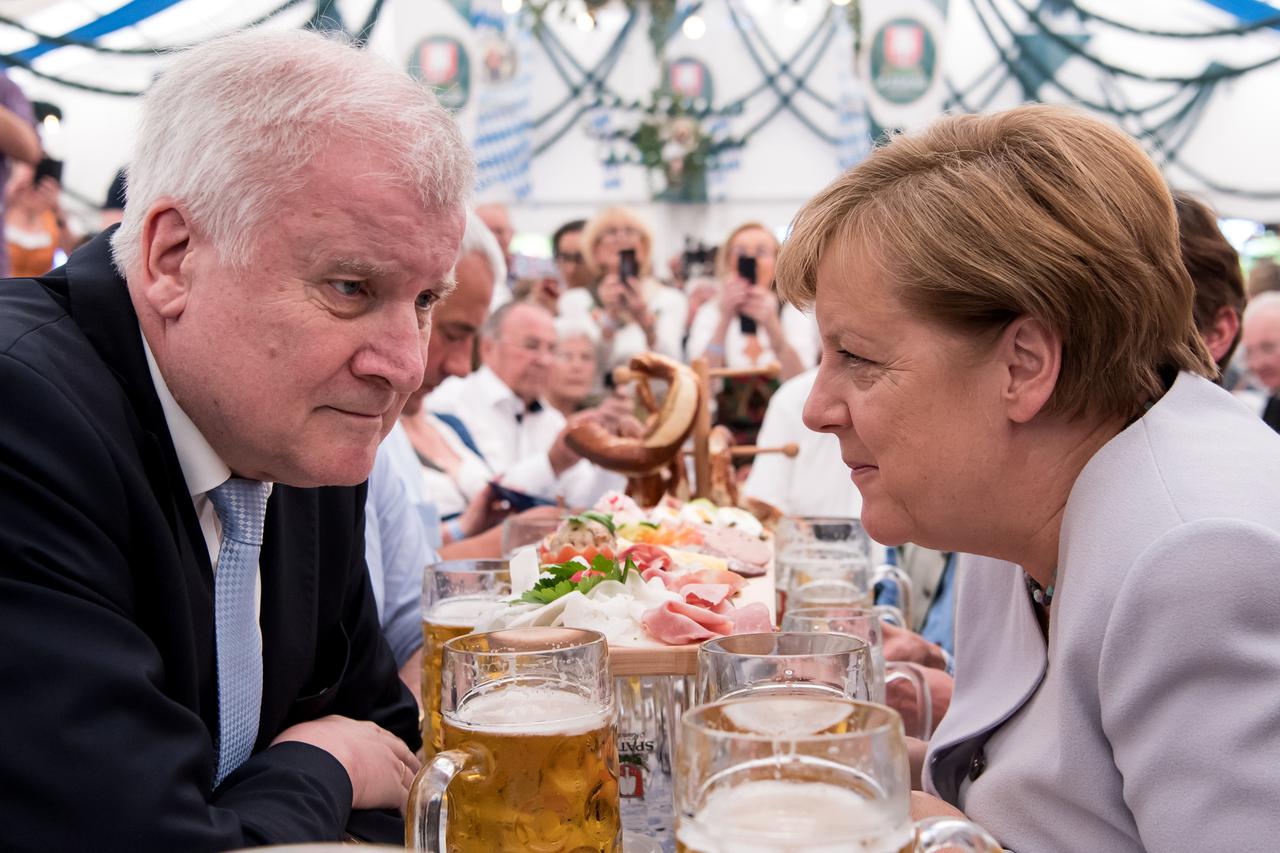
[(1031, 354), (164, 282)]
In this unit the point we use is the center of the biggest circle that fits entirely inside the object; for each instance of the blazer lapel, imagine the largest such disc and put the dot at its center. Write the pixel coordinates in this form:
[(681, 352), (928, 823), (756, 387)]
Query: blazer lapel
[(994, 608), (101, 307), (99, 303)]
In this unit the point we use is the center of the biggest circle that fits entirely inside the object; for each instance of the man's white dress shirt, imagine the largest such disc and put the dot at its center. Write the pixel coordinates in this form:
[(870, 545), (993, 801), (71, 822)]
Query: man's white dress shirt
[(202, 467)]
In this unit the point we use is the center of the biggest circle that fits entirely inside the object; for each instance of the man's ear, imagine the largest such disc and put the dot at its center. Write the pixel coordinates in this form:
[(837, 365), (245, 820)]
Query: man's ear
[(1032, 357), (166, 248)]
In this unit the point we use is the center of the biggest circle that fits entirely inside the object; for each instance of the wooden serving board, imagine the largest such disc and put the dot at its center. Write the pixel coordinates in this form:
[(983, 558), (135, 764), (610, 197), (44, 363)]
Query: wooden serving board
[(683, 660)]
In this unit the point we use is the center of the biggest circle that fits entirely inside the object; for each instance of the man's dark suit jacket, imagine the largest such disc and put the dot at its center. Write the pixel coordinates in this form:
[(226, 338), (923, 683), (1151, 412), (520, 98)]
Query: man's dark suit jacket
[(108, 685)]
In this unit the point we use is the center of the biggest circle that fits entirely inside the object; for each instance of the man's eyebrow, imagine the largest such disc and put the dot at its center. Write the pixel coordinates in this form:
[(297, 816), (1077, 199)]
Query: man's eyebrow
[(447, 285), (360, 267)]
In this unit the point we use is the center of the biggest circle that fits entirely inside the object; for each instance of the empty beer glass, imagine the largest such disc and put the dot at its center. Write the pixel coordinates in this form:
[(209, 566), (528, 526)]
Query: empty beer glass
[(456, 596), (830, 664), (517, 532), (802, 773), (823, 573), (864, 623), (530, 758)]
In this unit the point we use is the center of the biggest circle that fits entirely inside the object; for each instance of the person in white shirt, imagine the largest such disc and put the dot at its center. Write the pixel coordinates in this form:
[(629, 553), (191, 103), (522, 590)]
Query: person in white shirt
[(502, 407), (446, 471), (782, 334), (813, 482), (636, 314)]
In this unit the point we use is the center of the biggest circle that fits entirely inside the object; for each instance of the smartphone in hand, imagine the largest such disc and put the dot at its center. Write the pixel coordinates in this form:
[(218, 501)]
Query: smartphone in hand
[(747, 270), (628, 269)]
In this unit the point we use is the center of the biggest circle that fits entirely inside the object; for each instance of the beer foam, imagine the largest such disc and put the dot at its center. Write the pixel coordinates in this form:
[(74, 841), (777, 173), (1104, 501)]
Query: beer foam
[(786, 716), (530, 710), (462, 612), (779, 816)]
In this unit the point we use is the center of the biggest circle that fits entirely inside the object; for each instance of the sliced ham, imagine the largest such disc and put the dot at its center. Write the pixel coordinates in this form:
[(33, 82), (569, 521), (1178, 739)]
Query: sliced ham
[(677, 623), (668, 579), (708, 576), (705, 594), (752, 619)]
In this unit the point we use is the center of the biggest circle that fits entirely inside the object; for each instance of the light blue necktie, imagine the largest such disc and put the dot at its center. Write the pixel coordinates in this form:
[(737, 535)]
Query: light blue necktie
[(241, 506)]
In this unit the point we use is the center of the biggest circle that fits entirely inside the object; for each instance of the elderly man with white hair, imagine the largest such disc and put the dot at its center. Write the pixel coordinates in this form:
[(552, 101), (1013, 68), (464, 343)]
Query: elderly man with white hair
[(191, 653), (1261, 341)]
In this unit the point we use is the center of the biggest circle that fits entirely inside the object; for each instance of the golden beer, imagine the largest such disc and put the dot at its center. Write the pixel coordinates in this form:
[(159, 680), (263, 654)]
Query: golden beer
[(786, 816), (450, 618), (548, 780)]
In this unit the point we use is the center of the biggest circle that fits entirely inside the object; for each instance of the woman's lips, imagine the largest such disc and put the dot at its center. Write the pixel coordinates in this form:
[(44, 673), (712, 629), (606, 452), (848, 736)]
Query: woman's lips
[(856, 469)]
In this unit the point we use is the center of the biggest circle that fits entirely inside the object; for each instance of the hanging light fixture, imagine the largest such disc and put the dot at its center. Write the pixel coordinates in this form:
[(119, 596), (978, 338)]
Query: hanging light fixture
[(694, 27)]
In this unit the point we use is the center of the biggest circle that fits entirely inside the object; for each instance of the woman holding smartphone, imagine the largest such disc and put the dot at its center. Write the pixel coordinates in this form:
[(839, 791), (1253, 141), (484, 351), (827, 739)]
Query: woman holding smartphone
[(746, 327), (635, 312)]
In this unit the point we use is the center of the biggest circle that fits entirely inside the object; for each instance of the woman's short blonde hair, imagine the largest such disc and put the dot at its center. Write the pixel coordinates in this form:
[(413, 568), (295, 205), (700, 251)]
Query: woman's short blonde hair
[(1039, 211), (722, 254), (615, 216)]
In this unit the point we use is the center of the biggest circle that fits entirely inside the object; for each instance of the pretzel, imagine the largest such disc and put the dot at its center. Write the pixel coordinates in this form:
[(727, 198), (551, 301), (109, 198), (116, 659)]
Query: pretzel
[(664, 430)]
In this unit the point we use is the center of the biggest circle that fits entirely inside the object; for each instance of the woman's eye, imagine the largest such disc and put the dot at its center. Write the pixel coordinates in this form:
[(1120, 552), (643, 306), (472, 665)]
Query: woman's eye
[(852, 359), (347, 288)]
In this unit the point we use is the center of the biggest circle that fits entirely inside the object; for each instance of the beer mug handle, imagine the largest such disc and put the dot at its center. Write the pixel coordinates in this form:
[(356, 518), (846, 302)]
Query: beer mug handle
[(899, 578), (425, 822), (902, 671), (890, 615), (948, 833)]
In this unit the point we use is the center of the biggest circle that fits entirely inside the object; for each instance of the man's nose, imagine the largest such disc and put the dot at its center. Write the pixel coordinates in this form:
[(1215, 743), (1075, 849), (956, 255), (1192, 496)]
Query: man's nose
[(395, 352)]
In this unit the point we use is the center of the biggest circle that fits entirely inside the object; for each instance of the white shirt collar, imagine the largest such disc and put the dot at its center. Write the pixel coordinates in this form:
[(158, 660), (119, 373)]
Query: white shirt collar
[(496, 393), (202, 467)]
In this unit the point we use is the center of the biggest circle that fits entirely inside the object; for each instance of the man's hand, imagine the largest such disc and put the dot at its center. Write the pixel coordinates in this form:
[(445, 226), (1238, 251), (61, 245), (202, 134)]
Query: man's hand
[(901, 696), (482, 512), (901, 644), (381, 767), (561, 456)]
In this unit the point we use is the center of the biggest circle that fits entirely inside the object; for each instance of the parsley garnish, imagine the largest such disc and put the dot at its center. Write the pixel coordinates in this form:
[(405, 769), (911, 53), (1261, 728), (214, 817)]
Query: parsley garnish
[(600, 517), (555, 582)]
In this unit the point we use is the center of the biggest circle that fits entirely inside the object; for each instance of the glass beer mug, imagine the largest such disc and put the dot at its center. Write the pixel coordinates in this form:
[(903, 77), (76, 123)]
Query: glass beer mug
[(864, 623), (530, 757), (832, 664), (456, 596), (827, 561), (802, 773)]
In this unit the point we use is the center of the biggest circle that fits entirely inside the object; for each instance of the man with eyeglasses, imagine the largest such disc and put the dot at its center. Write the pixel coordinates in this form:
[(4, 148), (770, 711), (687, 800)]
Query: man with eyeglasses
[(502, 406), (566, 244)]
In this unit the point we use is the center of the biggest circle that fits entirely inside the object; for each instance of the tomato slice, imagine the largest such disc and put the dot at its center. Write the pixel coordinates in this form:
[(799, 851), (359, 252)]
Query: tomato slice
[(568, 552)]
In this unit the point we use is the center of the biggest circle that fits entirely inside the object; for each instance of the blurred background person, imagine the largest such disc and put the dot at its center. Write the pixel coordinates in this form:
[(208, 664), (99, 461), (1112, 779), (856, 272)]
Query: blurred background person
[(745, 326), (504, 409), (35, 229), (1264, 275), (575, 378), (638, 314), (452, 474), (19, 143), (1214, 267), (497, 217), (113, 205), (566, 251), (782, 333), (1262, 355)]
